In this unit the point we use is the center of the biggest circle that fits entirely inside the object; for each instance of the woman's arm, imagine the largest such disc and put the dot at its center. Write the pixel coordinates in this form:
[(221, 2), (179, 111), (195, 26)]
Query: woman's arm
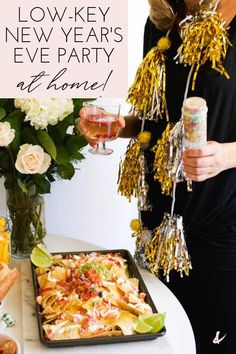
[(132, 127), (210, 160), (129, 127)]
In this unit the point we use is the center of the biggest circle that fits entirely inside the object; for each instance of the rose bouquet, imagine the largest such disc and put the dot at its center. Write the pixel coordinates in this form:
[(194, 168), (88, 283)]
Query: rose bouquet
[(38, 145)]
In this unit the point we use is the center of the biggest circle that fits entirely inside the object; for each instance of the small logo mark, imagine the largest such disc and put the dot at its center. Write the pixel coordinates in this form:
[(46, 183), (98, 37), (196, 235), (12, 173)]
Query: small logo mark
[(217, 340)]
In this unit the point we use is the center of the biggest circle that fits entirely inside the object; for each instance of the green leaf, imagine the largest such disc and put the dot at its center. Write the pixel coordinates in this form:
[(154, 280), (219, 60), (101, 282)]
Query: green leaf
[(2, 113), (62, 155), (3, 102), (55, 134), (47, 143), (50, 177), (74, 145), (42, 184), (29, 136), (66, 171), (15, 119), (10, 181), (22, 186), (5, 161), (64, 125), (32, 190)]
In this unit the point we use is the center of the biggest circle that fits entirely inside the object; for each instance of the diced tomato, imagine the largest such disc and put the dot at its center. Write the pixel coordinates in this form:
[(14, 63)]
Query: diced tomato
[(92, 275), (94, 293), (42, 290), (62, 301), (61, 282)]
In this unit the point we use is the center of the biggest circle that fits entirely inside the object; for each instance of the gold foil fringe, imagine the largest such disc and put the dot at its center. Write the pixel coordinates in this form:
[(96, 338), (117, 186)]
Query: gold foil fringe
[(129, 171), (132, 171), (161, 161), (148, 90), (205, 39), (167, 250)]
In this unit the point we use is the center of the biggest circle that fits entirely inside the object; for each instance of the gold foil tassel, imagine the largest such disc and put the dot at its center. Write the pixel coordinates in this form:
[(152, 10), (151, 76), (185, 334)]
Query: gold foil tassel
[(147, 94), (131, 179), (167, 250), (161, 161), (205, 39)]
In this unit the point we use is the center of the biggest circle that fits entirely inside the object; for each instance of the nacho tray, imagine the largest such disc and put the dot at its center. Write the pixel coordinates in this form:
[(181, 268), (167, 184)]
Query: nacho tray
[(133, 272)]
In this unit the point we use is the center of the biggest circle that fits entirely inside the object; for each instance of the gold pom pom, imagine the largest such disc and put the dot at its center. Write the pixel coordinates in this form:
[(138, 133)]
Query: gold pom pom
[(163, 44), (144, 137), (135, 225)]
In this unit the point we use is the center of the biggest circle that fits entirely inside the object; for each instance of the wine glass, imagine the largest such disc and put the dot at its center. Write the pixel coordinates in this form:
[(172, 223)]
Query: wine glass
[(102, 124)]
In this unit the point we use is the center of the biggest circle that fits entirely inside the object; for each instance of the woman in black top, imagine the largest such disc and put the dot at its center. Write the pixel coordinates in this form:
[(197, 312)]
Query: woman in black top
[(209, 211)]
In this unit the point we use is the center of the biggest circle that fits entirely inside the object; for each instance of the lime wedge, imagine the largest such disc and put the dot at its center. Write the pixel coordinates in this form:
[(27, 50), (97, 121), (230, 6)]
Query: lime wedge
[(142, 327), (156, 321), (42, 248), (40, 257)]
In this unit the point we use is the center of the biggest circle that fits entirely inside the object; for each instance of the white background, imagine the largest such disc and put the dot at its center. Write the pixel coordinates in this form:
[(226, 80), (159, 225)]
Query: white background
[(88, 207)]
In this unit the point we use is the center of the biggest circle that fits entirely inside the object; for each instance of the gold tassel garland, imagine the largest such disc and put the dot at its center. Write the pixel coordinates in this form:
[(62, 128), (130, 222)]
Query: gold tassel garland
[(148, 90), (160, 165), (205, 38), (204, 41)]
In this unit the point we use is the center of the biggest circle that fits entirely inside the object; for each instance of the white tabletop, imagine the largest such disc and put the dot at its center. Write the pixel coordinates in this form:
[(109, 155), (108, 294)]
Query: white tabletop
[(19, 303)]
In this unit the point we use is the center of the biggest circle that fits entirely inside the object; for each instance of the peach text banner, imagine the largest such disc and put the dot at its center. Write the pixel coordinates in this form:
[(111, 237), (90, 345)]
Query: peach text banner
[(63, 48)]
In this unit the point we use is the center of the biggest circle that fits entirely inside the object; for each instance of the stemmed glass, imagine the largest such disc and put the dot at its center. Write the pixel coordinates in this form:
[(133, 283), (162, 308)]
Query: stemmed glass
[(102, 124)]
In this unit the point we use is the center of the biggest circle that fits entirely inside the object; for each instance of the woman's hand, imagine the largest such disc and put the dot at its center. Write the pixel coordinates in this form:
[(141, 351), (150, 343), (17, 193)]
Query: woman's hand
[(207, 161), (81, 125)]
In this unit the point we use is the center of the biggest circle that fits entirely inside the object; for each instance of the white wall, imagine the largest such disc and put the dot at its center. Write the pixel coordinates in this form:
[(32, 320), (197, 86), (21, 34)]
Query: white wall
[(88, 207)]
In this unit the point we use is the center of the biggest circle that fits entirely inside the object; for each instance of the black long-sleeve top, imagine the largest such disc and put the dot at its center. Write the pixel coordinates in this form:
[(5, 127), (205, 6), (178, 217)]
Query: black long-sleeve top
[(210, 209)]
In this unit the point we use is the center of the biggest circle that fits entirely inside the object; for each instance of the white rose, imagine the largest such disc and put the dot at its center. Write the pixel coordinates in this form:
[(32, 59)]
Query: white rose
[(32, 159), (6, 133), (42, 112)]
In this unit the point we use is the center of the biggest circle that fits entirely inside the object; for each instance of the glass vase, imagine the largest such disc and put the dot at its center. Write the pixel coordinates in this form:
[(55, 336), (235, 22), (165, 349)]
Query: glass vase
[(26, 221)]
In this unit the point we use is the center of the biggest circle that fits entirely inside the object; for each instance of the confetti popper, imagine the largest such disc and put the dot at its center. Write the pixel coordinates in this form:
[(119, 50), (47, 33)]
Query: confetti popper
[(132, 171), (205, 39), (168, 251), (147, 94), (195, 122)]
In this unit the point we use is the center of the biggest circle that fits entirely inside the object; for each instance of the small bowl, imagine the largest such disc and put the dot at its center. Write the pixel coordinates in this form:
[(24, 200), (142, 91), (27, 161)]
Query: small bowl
[(6, 337)]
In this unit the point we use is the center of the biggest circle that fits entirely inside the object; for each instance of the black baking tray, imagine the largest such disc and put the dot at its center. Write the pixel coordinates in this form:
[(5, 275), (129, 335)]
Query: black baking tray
[(133, 272)]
